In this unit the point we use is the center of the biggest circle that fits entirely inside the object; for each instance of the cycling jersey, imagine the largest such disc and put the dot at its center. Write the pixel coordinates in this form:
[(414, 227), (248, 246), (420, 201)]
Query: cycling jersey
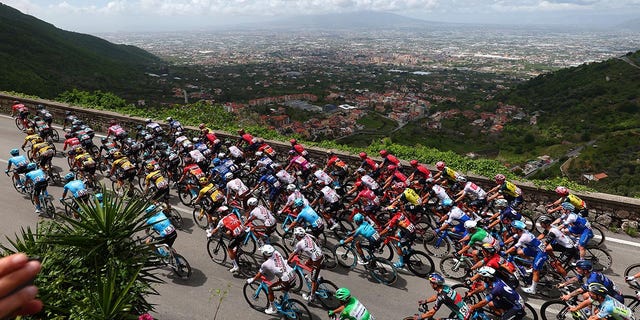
[(456, 214), (453, 300), (310, 217), (263, 214), (264, 162), (510, 189), (31, 138), (116, 130), (369, 182), (124, 164), (85, 160), (329, 195), (236, 185), (197, 156), (482, 236), (474, 191), (300, 149), (157, 178), (270, 180), (301, 162), (309, 247), (235, 152), (247, 138), (391, 159), (194, 170), (369, 197), (613, 309), (509, 214), (77, 188), (368, 162), (579, 225), (20, 162), (71, 142), (401, 221), (409, 195), (161, 224), (556, 236), (532, 247), (399, 177), (232, 224), (296, 194), (367, 231), (154, 127), (277, 267), (354, 310), (36, 176), (285, 177), (450, 174), (323, 176), (597, 277), (334, 160), (504, 297), (422, 172), (212, 192), (440, 192), (578, 203)]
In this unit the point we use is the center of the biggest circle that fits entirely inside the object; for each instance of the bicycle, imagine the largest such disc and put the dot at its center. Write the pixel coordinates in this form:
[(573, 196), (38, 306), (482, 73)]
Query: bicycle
[(548, 277), (633, 301), (256, 239), (71, 208), (382, 270), (256, 295), (21, 185), (171, 258), (23, 123), (440, 243), (559, 309), (46, 203), (486, 314), (457, 266), (418, 262), (217, 249), (187, 192), (326, 290), (127, 189)]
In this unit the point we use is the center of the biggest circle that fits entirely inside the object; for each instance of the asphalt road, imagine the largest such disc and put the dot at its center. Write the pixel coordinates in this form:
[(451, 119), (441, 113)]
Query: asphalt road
[(196, 298)]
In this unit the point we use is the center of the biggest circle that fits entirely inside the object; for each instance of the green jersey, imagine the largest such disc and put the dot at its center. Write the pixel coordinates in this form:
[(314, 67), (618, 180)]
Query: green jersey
[(354, 310), (482, 236)]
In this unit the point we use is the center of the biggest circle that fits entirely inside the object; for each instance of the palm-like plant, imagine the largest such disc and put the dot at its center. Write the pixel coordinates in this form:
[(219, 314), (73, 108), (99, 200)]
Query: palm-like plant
[(93, 267)]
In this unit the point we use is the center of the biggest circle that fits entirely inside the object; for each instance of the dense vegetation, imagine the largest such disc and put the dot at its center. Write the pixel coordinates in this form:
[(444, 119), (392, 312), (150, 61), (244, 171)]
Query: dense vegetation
[(40, 59)]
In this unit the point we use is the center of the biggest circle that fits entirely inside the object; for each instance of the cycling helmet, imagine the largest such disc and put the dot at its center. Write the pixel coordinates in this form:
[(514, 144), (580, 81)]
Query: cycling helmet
[(299, 232), (150, 208), (201, 126), (501, 203), (499, 178), (221, 155), (361, 170), (147, 120), (252, 202), (203, 180), (391, 167), (258, 153), (292, 152), (598, 288), (545, 219), (584, 265), (216, 161), (14, 152), (436, 278), (99, 197), (118, 155), (413, 163), (358, 218), (267, 250), (31, 166), (568, 206), (429, 181), (487, 272), (440, 165), (461, 179), (228, 176), (488, 247), (39, 139), (79, 150), (447, 203), (104, 140), (298, 203), (150, 166), (343, 294), (169, 119), (240, 131), (30, 131), (293, 141), (222, 209), (383, 153), (470, 224), (517, 224), (67, 113), (69, 176), (362, 155), (291, 187), (196, 140), (562, 191)]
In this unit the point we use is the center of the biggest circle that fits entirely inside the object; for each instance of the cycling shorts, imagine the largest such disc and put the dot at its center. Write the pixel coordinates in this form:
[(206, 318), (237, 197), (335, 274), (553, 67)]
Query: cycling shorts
[(169, 239), (512, 314), (40, 187), (161, 195), (128, 175), (235, 241), (585, 237)]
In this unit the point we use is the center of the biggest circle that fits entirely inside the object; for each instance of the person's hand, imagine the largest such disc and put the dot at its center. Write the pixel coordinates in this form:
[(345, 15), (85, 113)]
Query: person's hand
[(6, 171), (330, 313), (61, 199), (250, 280), (341, 241), (416, 317), (15, 271), (286, 229), (629, 278), (565, 297)]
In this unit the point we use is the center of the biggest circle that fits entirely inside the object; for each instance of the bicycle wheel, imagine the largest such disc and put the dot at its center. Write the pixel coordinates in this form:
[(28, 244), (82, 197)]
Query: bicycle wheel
[(54, 135), (289, 241), (419, 263), (601, 259), (256, 298), (435, 245), (422, 228), (634, 304), (346, 256), (598, 236), (248, 264), (451, 267), (217, 251), (16, 186), (530, 312), (528, 221), (299, 282), (385, 251), (632, 270), (382, 270), (280, 249), (249, 245), (176, 219), (19, 124), (200, 217), (536, 225), (49, 209), (329, 262), (547, 285), (295, 309), (325, 293), (185, 196), (462, 289), (343, 229), (555, 310), (181, 266)]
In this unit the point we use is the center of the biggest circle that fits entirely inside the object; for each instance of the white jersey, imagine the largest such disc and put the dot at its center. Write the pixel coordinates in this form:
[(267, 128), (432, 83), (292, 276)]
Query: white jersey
[(285, 177), (309, 248), (474, 191), (277, 266), (265, 162), (323, 176), (263, 214), (369, 182), (454, 214), (329, 194), (297, 195), (237, 186), (235, 152), (440, 192), (561, 238), (197, 156), (153, 126), (180, 140)]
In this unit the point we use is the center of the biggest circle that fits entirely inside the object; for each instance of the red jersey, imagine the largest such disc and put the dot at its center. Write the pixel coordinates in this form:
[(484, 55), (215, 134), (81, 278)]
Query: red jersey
[(232, 224), (369, 197), (399, 176), (19, 107), (247, 138), (392, 159), (423, 171), (370, 163), (267, 149), (71, 142), (334, 160), (401, 221), (211, 137), (193, 169)]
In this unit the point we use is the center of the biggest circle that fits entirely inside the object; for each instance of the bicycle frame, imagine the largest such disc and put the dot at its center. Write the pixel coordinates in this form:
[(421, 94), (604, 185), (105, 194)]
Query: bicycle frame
[(281, 305)]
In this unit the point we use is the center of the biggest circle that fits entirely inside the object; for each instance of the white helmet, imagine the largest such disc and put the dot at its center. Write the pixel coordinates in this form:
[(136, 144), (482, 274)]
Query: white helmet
[(258, 153), (291, 187), (252, 202), (221, 155), (222, 209), (501, 203), (267, 250), (299, 232), (470, 224), (228, 176), (487, 272)]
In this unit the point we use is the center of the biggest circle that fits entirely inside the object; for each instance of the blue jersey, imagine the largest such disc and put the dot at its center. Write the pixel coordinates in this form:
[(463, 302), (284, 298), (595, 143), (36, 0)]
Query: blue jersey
[(77, 188), (308, 215), (37, 176), (18, 161), (367, 231), (597, 277), (509, 213), (270, 179), (161, 224), (504, 297)]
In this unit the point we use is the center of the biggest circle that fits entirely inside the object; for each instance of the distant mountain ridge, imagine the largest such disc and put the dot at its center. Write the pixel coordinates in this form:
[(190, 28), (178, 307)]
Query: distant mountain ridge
[(352, 21), (40, 59)]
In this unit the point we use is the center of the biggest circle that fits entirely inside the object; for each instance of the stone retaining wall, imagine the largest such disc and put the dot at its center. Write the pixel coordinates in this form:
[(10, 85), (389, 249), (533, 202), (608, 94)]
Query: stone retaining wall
[(605, 208)]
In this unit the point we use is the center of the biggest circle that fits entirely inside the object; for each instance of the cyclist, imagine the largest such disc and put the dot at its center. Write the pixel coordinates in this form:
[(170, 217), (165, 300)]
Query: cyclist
[(367, 180), (394, 176), (491, 258), (607, 307), (410, 198), (262, 214), (44, 114), (507, 190), (270, 181), (445, 295), (528, 246), (308, 246), (477, 195), (31, 137), (77, 188), (85, 164), (274, 268), (307, 215), (566, 196), (42, 152), (191, 171), (19, 110), (435, 190), (233, 229), (300, 163), (575, 224), (68, 119), (475, 236), (420, 172), (455, 214), (116, 131), (350, 308), (406, 234), (557, 241), (501, 297), (506, 215), (329, 202), (340, 168), (298, 148), (215, 199), (161, 225), (584, 269), (368, 163), (125, 169), (153, 127), (40, 183), (367, 231), (160, 184), (235, 187), (294, 194), (20, 163), (371, 202), (446, 175)]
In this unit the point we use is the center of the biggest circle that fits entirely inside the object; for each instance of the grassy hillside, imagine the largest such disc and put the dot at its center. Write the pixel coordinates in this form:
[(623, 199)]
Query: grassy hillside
[(40, 59)]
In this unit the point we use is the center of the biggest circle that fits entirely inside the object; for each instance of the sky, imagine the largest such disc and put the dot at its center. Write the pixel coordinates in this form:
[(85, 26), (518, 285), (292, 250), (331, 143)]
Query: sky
[(101, 16)]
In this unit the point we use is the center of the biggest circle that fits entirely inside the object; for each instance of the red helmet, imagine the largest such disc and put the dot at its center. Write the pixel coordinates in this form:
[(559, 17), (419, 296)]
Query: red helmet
[(413, 163), (293, 141), (440, 165), (391, 167), (398, 185), (383, 153), (499, 177), (358, 184), (562, 191), (363, 155)]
